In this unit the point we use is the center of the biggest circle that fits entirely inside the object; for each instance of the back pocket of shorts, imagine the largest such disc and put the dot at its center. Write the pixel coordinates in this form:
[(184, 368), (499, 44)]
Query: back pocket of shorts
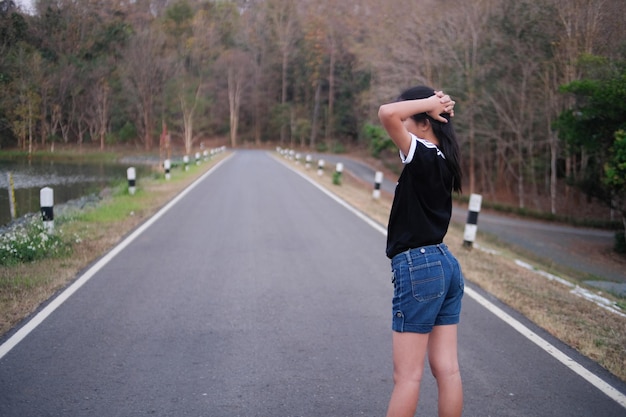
[(427, 281)]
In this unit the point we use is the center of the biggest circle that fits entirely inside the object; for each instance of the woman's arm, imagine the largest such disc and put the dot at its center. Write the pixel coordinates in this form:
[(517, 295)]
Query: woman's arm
[(392, 116)]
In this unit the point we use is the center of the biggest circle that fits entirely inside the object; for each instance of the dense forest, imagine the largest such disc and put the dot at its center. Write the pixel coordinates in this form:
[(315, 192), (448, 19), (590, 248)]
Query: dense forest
[(540, 85)]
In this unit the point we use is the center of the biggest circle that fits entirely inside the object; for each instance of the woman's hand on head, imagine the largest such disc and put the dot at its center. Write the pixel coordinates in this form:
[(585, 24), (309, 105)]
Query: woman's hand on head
[(445, 105)]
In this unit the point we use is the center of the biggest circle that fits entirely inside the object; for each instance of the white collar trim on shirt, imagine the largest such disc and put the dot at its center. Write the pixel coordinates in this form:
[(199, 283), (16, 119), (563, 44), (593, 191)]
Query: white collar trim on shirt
[(408, 158)]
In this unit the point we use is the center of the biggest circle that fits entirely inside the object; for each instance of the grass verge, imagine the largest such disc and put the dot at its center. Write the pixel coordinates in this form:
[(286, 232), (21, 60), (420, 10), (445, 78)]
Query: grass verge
[(590, 329)]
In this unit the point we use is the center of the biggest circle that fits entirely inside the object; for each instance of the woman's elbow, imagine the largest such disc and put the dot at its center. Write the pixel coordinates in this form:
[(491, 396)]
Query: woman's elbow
[(384, 113)]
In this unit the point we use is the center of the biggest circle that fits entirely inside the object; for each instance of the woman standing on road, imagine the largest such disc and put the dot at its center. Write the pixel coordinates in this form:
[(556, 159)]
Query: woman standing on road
[(428, 283)]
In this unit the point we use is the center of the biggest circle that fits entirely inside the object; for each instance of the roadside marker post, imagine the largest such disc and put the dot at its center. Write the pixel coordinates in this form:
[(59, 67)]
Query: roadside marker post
[(167, 165), (131, 174), (320, 167), (378, 179), (46, 202), (471, 226), (308, 161), (186, 162)]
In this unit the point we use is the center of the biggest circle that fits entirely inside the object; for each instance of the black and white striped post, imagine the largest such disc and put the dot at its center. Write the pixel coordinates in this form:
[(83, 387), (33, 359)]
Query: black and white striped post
[(186, 162), (308, 159), (131, 174), (46, 202), (320, 167), (378, 179), (197, 158), (167, 166), (471, 226)]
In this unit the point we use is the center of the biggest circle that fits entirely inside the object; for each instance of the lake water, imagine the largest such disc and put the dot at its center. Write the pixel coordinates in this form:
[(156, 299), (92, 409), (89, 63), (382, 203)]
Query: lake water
[(69, 180)]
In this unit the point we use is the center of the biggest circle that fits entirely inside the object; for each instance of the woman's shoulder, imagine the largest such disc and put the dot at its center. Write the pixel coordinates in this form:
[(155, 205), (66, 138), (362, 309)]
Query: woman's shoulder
[(429, 146)]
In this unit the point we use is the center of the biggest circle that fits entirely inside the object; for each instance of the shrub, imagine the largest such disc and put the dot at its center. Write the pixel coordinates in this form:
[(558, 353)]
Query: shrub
[(127, 133), (338, 148), (29, 242), (321, 147), (337, 178), (377, 139)]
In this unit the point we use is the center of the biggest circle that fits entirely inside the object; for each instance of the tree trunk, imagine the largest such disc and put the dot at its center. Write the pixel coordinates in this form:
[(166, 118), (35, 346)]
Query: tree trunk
[(188, 112), (553, 177), (520, 172), (234, 97), (331, 93), (147, 122), (103, 110), (471, 138), (30, 128), (316, 111), (283, 97)]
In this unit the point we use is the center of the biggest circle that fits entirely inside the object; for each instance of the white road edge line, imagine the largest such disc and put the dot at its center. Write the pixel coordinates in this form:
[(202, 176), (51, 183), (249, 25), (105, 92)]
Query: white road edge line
[(67, 293), (590, 377), (549, 348)]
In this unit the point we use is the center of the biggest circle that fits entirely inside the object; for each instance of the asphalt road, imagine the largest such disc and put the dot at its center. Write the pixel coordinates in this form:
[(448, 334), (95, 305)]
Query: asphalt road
[(256, 294)]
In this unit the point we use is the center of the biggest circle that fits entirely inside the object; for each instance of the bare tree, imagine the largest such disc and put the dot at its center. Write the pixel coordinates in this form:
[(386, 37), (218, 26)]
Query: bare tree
[(466, 33), (580, 24), (237, 66), (62, 81), (517, 97), (282, 17), (188, 36), (25, 112), (313, 58), (405, 49), (101, 102), (552, 109), (188, 108), (145, 72)]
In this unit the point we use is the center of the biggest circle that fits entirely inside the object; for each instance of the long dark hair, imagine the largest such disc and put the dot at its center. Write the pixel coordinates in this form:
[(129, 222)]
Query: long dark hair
[(448, 143)]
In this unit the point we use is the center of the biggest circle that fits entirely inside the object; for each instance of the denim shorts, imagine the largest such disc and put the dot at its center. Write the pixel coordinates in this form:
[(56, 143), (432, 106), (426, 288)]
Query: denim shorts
[(428, 288)]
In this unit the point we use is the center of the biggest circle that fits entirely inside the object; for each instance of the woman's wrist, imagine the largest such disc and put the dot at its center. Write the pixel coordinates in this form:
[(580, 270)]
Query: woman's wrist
[(434, 102)]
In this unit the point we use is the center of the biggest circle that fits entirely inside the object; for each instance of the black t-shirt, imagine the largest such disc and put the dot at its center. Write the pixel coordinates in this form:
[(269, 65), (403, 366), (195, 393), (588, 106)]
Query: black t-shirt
[(422, 204)]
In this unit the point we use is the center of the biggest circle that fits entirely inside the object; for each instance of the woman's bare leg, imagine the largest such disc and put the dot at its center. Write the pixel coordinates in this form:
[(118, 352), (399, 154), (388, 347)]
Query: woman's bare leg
[(444, 364), (409, 353)]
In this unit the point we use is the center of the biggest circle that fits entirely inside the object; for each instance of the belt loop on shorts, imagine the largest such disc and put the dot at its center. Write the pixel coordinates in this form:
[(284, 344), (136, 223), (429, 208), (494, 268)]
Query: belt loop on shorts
[(409, 260)]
